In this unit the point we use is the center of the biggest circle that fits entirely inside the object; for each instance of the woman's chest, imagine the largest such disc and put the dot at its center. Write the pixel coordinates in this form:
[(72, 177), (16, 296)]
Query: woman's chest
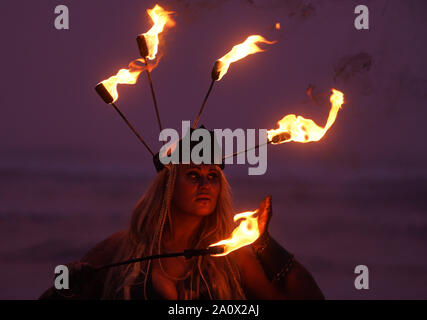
[(167, 279)]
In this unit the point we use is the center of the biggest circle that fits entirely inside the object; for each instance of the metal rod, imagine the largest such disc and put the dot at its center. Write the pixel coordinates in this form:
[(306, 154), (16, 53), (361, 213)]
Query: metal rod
[(158, 256), (188, 253), (246, 150), (203, 104), (278, 138), (132, 128), (153, 95)]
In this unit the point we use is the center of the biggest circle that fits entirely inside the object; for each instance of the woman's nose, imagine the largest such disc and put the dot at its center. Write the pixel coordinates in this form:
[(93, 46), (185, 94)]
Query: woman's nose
[(204, 182)]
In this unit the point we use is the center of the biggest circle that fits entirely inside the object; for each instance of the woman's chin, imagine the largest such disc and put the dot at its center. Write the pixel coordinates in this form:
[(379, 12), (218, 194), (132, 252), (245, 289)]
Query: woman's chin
[(203, 208)]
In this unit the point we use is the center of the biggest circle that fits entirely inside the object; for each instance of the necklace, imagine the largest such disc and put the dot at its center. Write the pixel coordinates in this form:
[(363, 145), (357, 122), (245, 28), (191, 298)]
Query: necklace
[(171, 249), (185, 276)]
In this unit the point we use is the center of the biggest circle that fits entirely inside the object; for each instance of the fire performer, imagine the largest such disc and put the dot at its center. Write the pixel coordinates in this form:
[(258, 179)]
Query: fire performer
[(188, 206), (174, 247)]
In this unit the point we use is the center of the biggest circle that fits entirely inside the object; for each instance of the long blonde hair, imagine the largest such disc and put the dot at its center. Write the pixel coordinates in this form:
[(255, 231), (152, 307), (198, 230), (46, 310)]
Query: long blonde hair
[(151, 217)]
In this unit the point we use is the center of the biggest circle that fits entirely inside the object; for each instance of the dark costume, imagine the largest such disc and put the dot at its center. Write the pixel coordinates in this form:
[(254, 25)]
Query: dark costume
[(279, 266)]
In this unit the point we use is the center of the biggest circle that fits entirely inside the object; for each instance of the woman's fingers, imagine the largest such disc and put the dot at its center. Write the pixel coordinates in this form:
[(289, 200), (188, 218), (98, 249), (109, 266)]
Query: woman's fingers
[(265, 208), (269, 206), (264, 214)]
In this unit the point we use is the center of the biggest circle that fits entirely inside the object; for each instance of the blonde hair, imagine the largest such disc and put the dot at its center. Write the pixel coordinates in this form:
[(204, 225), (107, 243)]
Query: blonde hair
[(150, 219)]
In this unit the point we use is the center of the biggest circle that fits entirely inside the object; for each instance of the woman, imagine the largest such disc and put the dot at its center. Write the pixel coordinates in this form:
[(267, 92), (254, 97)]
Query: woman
[(188, 206)]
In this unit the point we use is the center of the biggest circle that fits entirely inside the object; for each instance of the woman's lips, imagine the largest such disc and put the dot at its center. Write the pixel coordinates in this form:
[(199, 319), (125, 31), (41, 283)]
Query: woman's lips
[(203, 198)]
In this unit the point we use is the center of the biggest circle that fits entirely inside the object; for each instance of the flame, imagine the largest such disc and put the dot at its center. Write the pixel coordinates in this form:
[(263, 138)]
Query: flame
[(160, 18), (124, 76), (244, 234), (299, 129), (240, 51), (277, 26)]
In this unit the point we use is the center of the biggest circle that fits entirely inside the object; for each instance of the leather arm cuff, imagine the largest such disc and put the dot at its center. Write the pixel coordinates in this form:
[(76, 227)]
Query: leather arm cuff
[(275, 260)]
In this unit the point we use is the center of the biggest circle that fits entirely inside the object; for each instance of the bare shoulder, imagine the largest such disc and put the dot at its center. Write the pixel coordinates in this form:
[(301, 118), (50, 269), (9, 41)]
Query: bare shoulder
[(105, 251)]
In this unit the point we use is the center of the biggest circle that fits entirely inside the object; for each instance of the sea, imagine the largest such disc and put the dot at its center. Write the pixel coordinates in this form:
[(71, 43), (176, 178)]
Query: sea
[(54, 216)]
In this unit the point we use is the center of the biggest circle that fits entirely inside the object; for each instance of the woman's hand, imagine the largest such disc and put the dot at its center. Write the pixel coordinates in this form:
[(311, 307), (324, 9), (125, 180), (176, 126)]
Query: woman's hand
[(265, 212)]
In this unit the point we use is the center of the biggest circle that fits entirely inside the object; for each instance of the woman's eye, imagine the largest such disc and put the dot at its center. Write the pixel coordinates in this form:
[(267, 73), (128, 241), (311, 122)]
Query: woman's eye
[(212, 176), (193, 175)]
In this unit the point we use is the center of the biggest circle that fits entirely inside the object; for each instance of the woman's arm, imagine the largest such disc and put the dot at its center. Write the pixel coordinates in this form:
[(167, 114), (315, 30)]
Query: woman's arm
[(284, 272), (254, 280), (280, 266)]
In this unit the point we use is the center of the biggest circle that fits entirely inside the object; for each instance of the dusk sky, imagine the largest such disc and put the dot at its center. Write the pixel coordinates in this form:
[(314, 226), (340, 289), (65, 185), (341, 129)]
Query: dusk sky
[(54, 124), (53, 117)]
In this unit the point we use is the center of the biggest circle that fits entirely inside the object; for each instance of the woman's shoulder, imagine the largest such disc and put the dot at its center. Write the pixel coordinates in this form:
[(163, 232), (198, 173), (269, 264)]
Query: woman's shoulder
[(105, 251)]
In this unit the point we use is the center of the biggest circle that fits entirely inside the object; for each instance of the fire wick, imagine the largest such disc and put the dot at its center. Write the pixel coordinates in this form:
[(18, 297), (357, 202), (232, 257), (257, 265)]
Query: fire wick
[(106, 96), (215, 76), (188, 253)]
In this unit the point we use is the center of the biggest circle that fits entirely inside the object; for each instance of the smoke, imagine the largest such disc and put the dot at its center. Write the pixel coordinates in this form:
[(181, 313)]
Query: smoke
[(354, 70)]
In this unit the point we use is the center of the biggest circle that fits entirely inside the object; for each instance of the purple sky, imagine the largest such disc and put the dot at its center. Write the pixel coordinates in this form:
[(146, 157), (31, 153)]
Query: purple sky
[(51, 115), (357, 196)]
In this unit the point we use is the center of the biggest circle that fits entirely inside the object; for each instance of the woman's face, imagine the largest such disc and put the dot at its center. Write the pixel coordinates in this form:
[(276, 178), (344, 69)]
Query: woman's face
[(197, 189)]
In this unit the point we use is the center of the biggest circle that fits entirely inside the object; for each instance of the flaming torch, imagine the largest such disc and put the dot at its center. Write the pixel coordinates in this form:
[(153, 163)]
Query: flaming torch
[(299, 129), (107, 90), (148, 44), (220, 68), (244, 234)]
